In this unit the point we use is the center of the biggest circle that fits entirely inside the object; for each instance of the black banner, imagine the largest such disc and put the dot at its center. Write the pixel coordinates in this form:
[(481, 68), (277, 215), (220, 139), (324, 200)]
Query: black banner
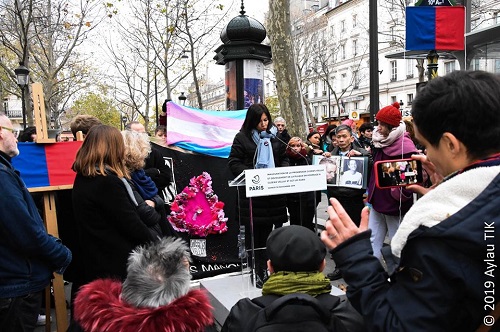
[(217, 253)]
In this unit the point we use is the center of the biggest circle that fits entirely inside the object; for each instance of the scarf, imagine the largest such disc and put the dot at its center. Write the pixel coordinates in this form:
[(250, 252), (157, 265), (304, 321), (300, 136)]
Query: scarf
[(449, 197), (144, 185), (380, 141), (283, 283), (265, 156)]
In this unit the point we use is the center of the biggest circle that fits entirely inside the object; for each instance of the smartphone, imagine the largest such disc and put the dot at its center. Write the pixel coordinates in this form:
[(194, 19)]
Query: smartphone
[(397, 173)]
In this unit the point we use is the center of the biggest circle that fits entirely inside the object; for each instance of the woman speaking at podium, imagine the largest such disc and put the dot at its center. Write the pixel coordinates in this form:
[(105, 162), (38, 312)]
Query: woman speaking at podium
[(256, 146)]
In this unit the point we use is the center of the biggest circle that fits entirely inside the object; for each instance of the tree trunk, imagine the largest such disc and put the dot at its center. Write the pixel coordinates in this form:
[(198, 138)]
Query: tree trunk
[(287, 82)]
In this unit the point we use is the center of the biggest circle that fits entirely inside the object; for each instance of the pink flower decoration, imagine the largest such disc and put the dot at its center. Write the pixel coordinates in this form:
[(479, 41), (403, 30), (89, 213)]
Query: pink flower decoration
[(197, 209)]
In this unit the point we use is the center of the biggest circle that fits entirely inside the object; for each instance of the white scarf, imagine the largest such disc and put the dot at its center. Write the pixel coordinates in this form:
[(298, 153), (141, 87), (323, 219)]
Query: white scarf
[(381, 141), (442, 202)]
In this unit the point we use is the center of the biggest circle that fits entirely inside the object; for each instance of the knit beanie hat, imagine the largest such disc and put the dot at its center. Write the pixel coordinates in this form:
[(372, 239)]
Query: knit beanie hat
[(296, 249), (390, 115)]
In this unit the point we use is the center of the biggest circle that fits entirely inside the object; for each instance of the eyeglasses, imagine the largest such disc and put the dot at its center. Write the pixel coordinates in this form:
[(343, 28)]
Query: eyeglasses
[(14, 132)]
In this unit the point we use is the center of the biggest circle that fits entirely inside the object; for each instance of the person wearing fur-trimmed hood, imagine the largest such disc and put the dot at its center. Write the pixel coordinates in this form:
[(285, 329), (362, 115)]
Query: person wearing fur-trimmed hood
[(155, 296)]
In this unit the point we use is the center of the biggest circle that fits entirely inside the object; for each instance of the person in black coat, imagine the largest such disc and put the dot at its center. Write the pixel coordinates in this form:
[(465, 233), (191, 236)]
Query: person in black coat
[(301, 206), (250, 146), (296, 263), (141, 189), (107, 221)]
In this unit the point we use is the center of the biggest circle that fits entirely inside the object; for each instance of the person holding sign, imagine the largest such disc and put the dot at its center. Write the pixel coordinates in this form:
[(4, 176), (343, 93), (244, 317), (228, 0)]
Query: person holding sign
[(350, 196)]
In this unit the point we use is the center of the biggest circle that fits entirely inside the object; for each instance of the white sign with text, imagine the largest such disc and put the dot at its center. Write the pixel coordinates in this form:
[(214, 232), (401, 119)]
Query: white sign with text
[(284, 180)]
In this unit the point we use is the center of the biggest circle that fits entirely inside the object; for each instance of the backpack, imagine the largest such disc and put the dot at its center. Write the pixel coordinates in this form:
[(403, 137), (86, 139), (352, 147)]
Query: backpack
[(295, 312)]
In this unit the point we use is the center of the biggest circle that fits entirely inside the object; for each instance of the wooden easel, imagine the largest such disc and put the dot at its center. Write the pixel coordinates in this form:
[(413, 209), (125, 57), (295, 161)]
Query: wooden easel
[(49, 215), (42, 132), (50, 219)]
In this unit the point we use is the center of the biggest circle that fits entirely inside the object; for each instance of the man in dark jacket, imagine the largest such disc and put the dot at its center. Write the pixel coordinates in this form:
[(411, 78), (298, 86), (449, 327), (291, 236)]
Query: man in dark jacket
[(28, 255), (282, 134), (296, 261), (351, 197), (443, 267)]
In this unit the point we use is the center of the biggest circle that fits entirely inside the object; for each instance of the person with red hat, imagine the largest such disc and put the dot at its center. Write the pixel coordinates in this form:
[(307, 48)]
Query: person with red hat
[(390, 141)]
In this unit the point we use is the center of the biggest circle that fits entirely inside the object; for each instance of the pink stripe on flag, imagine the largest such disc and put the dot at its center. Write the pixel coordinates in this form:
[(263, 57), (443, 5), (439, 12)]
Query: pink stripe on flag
[(187, 114)]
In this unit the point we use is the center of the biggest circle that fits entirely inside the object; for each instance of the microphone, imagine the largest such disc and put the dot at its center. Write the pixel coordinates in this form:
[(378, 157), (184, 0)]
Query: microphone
[(265, 134)]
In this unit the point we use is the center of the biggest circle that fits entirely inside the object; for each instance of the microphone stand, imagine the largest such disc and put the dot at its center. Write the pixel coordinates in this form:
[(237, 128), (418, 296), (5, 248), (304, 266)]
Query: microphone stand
[(271, 135)]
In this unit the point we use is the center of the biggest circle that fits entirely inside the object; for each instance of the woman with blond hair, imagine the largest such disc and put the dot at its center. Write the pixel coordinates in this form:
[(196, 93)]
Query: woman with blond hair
[(141, 188), (108, 223)]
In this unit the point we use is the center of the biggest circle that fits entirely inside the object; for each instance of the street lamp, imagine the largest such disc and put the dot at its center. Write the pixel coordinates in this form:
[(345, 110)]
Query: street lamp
[(124, 121), (182, 98), (22, 77)]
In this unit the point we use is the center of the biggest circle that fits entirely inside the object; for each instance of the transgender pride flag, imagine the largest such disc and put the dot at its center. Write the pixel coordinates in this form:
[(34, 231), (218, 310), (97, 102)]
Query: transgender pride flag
[(435, 28), (205, 132)]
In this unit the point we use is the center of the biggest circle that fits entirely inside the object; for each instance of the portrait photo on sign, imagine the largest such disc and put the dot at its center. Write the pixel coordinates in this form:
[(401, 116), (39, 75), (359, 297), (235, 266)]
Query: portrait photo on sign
[(332, 166), (353, 172)]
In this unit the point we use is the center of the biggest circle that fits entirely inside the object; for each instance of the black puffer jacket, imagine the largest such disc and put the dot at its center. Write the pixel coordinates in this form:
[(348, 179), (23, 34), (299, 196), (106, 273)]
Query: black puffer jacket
[(271, 209)]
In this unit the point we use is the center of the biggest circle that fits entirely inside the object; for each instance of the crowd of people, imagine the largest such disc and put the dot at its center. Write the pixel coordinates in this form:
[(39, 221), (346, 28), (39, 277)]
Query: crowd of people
[(425, 264)]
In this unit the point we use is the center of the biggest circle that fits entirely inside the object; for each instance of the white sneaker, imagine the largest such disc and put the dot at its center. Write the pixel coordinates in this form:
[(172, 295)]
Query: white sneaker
[(41, 320)]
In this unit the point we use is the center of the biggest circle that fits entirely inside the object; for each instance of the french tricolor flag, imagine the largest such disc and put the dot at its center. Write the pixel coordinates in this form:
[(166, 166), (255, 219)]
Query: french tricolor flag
[(435, 28)]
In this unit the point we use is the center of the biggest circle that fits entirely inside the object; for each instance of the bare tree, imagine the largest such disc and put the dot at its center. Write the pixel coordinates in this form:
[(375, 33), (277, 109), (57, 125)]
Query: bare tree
[(46, 37), (321, 57)]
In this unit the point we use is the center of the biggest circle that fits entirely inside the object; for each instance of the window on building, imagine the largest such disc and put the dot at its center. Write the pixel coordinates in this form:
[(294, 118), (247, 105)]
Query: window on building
[(325, 88), (324, 111), (342, 26), (315, 112), (342, 51), (409, 99), (497, 66), (449, 67), (354, 47), (343, 81), (354, 20), (355, 78), (476, 64), (391, 33), (316, 87), (394, 71), (356, 105), (410, 65), (393, 99)]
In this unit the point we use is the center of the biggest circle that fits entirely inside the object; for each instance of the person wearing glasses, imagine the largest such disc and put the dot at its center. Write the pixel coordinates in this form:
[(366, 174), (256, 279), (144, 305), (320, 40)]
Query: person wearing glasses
[(28, 255)]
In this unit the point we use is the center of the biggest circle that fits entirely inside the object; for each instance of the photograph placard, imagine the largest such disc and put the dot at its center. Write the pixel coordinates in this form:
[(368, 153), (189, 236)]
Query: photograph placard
[(343, 171)]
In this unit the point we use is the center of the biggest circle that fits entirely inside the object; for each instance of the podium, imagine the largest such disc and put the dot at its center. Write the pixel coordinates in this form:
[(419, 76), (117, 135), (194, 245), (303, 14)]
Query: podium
[(276, 181)]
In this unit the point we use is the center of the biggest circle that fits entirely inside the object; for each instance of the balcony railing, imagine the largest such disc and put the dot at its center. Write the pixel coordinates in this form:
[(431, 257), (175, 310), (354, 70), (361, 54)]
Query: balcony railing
[(14, 114)]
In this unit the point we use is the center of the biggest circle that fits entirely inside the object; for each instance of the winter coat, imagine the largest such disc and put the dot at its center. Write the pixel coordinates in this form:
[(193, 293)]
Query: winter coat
[(244, 310), (154, 218), (271, 209), (447, 263), (108, 224), (28, 255), (157, 170), (99, 308), (382, 200), (284, 136)]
